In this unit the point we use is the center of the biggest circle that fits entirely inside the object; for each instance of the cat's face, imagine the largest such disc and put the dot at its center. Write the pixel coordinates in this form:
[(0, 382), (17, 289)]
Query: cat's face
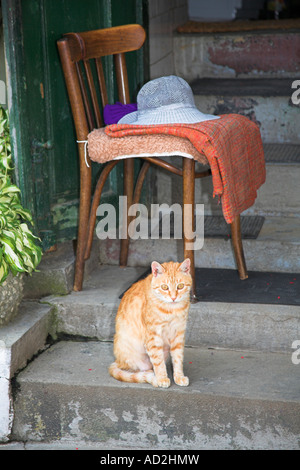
[(171, 282)]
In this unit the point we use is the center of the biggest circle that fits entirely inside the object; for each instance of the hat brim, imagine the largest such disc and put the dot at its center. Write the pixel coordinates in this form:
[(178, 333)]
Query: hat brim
[(172, 116)]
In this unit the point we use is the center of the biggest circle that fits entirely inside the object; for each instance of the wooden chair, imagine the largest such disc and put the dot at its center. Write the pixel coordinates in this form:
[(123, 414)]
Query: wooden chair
[(92, 46)]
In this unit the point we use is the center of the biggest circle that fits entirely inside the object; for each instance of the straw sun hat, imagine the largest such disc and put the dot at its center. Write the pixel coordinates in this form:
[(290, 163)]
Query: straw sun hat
[(166, 100)]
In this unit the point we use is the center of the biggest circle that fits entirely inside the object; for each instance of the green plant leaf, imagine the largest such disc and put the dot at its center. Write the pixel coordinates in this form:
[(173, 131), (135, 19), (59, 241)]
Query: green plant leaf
[(19, 247), (11, 257), (3, 271), (19, 244), (24, 213), (10, 189), (5, 161), (8, 234), (27, 261)]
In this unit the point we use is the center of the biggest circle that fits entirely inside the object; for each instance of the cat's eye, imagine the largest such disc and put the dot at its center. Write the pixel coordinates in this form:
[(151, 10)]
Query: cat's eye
[(180, 286), (164, 287)]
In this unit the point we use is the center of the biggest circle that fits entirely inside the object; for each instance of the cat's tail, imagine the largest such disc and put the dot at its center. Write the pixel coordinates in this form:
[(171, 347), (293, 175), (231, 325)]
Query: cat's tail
[(146, 376)]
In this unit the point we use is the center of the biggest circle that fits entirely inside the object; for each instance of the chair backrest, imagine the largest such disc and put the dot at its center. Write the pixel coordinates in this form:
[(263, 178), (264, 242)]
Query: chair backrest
[(77, 52)]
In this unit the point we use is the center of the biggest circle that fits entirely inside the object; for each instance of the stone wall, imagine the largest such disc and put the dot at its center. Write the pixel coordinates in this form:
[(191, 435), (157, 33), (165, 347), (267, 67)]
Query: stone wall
[(164, 17)]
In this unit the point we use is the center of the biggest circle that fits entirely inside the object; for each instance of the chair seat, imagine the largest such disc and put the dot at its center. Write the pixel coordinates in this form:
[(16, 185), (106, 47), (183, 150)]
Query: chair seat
[(102, 148), (231, 146)]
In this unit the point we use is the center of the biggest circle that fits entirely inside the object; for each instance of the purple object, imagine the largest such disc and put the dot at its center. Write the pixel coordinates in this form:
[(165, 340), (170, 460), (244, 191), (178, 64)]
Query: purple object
[(112, 113)]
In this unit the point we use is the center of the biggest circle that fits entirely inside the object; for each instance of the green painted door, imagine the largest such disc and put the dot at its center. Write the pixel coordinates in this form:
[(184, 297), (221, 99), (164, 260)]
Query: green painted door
[(43, 136)]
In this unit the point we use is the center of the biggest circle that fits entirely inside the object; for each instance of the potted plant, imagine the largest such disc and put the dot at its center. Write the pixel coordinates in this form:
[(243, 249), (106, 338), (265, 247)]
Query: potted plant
[(19, 248)]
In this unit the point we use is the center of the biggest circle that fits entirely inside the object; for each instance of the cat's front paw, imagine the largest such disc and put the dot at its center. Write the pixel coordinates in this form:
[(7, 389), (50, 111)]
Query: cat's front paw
[(165, 383), (181, 380)]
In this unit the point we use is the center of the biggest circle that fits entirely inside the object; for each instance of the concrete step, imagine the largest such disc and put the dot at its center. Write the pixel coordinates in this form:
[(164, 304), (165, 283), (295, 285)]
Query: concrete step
[(267, 87), (20, 340), (282, 154), (278, 197), (249, 73), (244, 54), (235, 400), (277, 248), (91, 314), (55, 273), (268, 102)]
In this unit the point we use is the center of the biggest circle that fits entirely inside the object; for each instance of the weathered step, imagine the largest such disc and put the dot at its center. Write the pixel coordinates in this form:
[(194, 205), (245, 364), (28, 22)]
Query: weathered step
[(55, 274), (267, 101), (278, 196), (91, 314), (282, 153), (20, 340), (235, 400), (276, 248), (242, 87), (252, 54)]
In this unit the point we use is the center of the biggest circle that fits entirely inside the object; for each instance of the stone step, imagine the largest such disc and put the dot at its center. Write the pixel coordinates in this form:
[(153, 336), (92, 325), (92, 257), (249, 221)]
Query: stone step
[(55, 273), (276, 248), (266, 87), (91, 314), (25, 336), (278, 197), (282, 154), (235, 400), (268, 102), (253, 73), (243, 54)]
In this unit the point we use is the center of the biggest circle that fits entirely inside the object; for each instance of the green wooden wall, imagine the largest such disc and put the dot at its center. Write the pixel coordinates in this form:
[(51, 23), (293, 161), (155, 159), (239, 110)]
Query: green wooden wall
[(43, 137)]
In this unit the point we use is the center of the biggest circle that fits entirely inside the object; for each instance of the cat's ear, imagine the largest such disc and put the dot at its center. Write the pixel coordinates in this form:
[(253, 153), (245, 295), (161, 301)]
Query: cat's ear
[(157, 268), (185, 266)]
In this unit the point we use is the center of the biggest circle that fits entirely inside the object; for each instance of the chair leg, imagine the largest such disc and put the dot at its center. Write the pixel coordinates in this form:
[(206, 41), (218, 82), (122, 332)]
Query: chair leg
[(96, 200), (84, 211), (128, 191), (238, 247), (140, 181), (188, 174)]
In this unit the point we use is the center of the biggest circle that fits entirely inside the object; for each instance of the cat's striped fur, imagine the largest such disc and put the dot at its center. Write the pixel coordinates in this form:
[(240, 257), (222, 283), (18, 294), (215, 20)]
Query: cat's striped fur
[(150, 324)]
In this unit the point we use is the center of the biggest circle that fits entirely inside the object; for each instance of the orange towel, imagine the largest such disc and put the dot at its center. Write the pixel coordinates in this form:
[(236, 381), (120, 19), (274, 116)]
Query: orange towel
[(233, 148)]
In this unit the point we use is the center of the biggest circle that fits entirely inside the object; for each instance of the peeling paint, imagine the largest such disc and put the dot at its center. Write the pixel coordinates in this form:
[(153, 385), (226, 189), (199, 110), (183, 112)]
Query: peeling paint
[(257, 53), (74, 424), (244, 106), (110, 414), (278, 121), (152, 425), (273, 55)]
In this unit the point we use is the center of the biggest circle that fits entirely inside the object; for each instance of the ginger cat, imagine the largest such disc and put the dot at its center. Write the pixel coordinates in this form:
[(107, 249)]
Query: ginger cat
[(150, 323)]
